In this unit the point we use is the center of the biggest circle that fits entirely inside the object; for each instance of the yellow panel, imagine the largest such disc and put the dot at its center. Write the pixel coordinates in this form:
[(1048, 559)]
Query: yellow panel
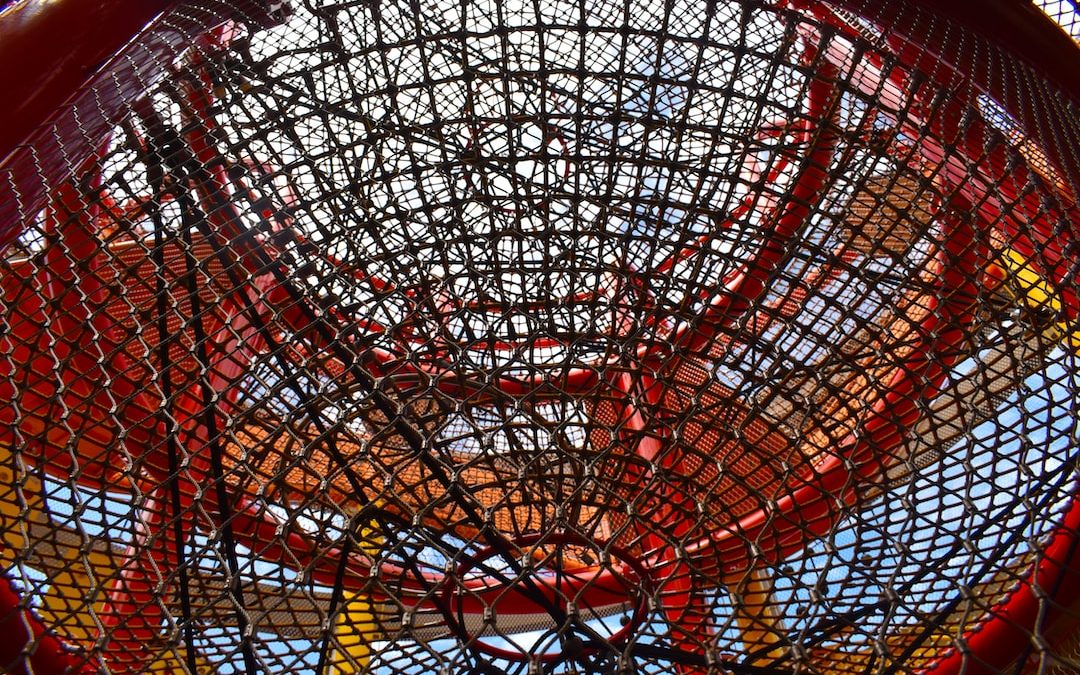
[(1040, 295), (760, 623), (19, 507), (356, 627)]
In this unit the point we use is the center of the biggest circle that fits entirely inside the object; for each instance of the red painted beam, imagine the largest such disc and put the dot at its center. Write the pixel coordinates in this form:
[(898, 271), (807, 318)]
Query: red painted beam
[(50, 49), (52, 116)]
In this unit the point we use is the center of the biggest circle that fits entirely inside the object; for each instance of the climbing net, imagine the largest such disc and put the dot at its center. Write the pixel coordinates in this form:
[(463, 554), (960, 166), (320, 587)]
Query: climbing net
[(575, 336)]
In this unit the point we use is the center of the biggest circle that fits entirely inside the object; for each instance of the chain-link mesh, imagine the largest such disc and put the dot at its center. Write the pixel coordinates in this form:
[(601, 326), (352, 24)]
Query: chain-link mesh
[(1065, 13), (574, 336)]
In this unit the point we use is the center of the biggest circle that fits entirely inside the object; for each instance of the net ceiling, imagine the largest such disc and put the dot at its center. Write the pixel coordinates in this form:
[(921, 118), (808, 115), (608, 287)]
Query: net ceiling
[(546, 337)]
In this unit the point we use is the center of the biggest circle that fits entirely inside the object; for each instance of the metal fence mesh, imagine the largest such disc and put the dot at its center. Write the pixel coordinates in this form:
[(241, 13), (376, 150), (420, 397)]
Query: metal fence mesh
[(1065, 13), (575, 336)]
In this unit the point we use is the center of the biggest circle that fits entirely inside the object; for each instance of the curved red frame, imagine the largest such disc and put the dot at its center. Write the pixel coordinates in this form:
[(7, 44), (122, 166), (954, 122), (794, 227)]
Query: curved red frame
[(1036, 42)]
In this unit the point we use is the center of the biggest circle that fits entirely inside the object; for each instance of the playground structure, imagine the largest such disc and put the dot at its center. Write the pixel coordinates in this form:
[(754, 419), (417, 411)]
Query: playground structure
[(540, 337)]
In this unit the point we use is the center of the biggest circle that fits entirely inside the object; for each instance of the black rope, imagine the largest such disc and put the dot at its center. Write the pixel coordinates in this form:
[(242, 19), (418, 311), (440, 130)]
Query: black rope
[(210, 424), (993, 558), (167, 138), (181, 160), (316, 415), (323, 326), (156, 179)]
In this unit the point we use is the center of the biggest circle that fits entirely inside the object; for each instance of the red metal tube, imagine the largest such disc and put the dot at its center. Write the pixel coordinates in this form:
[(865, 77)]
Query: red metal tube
[(998, 642), (27, 646), (811, 508)]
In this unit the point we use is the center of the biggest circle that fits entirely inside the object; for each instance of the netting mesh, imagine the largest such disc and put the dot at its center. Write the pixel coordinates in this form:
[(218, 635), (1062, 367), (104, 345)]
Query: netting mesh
[(573, 336), (1064, 13)]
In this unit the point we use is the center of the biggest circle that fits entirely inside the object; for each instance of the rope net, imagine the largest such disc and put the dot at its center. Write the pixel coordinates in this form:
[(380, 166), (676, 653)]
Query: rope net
[(569, 337)]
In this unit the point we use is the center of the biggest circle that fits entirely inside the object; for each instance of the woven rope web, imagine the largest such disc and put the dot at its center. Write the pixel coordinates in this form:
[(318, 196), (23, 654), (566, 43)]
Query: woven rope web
[(543, 337)]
